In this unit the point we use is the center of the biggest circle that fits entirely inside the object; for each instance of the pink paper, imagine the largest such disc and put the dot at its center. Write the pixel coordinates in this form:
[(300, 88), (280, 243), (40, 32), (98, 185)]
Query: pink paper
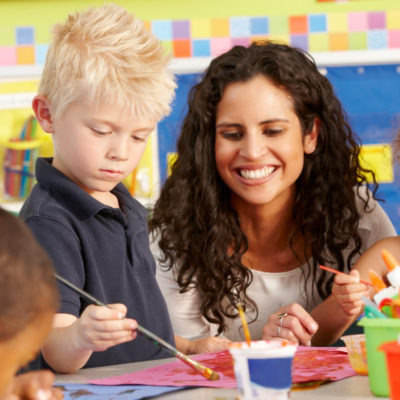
[(321, 364), (309, 364), (176, 373)]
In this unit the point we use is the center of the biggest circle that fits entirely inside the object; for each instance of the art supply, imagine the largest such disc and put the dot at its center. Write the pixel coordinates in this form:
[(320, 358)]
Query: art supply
[(244, 323), (334, 271), (201, 369), (393, 276), (392, 352), (357, 352), (390, 307), (382, 291), (19, 162), (378, 331), (371, 309), (264, 370), (310, 364)]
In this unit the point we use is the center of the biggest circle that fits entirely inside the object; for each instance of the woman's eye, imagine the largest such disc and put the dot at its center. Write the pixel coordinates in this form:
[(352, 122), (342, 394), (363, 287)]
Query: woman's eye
[(273, 131), (232, 135)]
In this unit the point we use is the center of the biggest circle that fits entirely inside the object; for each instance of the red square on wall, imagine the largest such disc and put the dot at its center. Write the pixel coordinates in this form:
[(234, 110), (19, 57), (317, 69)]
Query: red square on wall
[(298, 24), (182, 48)]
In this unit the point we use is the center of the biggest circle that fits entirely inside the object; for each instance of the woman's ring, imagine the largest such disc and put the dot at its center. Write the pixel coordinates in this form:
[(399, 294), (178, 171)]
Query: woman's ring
[(281, 316), (278, 331)]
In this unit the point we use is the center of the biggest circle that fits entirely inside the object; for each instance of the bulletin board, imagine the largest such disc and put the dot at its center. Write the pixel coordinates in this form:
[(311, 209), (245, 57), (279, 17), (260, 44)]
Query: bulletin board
[(370, 97)]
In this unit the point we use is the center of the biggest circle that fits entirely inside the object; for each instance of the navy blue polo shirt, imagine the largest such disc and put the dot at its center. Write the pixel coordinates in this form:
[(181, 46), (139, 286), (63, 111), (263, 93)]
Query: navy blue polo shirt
[(102, 250)]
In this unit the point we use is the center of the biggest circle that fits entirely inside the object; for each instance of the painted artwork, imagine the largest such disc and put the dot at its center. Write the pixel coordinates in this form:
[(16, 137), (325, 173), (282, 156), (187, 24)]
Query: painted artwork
[(310, 364)]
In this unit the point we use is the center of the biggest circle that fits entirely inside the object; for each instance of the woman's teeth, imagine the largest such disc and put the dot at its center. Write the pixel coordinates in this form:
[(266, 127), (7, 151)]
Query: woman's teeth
[(256, 173)]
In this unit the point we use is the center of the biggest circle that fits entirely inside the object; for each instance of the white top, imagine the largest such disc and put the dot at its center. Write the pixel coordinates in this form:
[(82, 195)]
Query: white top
[(270, 291)]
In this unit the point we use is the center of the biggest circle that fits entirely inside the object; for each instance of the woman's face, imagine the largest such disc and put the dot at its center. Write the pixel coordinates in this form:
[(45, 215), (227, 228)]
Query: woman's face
[(259, 144)]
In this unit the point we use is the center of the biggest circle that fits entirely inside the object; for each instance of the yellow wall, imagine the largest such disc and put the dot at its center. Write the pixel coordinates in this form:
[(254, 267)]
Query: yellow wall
[(29, 11), (42, 14)]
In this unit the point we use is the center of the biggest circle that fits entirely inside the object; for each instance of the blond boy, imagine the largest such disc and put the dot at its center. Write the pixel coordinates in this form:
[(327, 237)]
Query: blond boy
[(104, 87)]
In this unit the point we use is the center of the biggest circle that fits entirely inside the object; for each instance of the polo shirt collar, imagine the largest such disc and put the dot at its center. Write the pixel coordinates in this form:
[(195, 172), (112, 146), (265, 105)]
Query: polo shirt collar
[(71, 195)]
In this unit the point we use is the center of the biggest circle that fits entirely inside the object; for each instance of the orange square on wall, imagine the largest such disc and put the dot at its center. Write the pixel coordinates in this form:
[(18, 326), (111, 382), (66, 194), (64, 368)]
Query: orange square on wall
[(25, 55), (182, 48), (338, 41), (147, 25), (298, 24), (219, 27)]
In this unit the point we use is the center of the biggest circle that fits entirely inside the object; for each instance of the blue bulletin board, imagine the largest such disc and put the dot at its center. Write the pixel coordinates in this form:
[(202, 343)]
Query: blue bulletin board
[(371, 98)]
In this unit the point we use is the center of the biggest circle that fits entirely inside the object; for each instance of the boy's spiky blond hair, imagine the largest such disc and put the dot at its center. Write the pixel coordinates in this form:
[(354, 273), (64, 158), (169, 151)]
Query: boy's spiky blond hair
[(106, 54)]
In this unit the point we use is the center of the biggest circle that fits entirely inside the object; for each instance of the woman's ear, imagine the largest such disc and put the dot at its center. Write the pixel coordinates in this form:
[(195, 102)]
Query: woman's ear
[(41, 108), (311, 139)]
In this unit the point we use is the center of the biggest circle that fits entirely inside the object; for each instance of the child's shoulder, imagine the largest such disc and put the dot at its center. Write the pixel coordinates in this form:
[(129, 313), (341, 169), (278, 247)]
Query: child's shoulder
[(42, 204)]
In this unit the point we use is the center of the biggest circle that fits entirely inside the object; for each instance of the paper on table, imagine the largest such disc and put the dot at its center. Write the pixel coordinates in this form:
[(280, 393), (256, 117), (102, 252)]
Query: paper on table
[(95, 392), (309, 364)]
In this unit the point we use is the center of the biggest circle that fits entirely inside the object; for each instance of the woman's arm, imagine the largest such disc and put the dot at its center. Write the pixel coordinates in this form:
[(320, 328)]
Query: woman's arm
[(343, 306)]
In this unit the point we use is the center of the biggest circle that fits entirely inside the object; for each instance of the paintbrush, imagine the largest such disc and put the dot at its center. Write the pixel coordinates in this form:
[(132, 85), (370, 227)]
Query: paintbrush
[(334, 271), (201, 369), (244, 323)]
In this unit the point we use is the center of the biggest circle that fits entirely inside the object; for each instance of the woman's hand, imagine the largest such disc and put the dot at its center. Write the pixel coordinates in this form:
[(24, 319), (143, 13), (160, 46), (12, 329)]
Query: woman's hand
[(293, 323), (347, 291), (209, 344), (36, 385)]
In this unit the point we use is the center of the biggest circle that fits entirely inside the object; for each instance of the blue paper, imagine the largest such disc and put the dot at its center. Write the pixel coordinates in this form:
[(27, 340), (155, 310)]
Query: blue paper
[(74, 391)]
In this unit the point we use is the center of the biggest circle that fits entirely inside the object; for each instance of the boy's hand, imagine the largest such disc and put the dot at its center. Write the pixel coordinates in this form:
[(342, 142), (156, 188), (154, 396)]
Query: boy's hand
[(36, 385), (347, 291), (293, 323), (99, 328)]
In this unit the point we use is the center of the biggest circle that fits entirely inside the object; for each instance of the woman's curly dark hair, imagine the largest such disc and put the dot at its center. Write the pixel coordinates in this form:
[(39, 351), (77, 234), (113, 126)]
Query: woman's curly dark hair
[(194, 222)]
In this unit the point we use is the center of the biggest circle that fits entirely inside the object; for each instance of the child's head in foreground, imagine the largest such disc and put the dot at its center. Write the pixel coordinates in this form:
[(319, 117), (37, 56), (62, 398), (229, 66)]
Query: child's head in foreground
[(104, 75), (28, 296)]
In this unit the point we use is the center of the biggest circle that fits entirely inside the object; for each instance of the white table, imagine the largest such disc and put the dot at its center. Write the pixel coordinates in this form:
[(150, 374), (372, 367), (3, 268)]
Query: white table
[(354, 388)]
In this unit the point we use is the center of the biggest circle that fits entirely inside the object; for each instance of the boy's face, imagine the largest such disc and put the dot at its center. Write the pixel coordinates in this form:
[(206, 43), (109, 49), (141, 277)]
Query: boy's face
[(99, 147), (18, 351)]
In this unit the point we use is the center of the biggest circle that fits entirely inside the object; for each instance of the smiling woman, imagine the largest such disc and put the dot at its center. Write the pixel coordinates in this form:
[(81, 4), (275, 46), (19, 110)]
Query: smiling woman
[(259, 144), (266, 187)]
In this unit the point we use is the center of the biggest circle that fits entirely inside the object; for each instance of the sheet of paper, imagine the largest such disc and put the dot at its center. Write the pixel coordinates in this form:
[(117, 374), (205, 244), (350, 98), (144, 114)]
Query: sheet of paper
[(96, 392), (309, 364)]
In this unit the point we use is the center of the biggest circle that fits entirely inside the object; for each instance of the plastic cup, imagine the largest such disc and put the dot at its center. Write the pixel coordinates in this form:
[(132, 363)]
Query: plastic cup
[(263, 370), (357, 352), (392, 350), (377, 332)]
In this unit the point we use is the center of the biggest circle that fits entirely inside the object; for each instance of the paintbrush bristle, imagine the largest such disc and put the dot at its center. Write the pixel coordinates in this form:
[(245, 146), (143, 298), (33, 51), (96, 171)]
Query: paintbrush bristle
[(213, 376)]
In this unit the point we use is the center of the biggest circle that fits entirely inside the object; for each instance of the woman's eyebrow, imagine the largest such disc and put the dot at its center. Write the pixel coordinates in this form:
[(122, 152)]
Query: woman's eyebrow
[(267, 121)]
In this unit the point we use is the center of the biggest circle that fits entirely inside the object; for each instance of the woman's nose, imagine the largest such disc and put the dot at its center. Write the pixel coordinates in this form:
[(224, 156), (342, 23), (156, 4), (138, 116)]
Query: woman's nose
[(253, 147)]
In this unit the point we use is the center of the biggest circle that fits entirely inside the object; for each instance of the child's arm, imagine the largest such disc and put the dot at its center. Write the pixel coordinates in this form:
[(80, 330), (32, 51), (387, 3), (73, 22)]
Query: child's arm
[(207, 345), (72, 340)]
